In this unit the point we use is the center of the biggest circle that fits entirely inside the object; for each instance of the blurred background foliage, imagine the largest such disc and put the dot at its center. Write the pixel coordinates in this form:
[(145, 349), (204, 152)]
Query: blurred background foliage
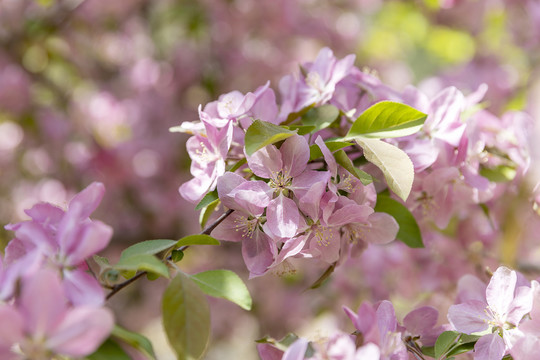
[(89, 89)]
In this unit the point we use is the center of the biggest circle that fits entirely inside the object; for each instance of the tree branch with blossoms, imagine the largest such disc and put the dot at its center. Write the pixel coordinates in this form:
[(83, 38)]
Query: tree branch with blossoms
[(322, 177)]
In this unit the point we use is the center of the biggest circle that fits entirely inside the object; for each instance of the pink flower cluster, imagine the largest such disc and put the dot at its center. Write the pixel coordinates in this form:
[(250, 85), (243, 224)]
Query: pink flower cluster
[(503, 317), (51, 305), (288, 204)]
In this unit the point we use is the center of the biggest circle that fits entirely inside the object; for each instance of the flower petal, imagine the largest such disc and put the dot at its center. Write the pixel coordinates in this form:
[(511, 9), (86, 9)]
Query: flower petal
[(295, 155), (43, 316), (489, 347), (500, 290), (88, 199), (469, 317), (282, 217), (82, 331)]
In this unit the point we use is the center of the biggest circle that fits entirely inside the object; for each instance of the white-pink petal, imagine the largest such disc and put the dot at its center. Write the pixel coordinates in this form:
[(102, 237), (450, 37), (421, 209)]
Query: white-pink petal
[(43, 316), (82, 331), (295, 155), (282, 217), (500, 290), (489, 347)]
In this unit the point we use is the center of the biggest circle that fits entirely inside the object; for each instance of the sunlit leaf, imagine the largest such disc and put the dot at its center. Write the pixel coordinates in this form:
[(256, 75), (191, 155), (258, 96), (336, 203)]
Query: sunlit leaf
[(444, 342), (186, 318), (387, 119), (142, 262), (199, 239), (395, 164), (148, 247), (224, 284), (261, 134), (501, 173)]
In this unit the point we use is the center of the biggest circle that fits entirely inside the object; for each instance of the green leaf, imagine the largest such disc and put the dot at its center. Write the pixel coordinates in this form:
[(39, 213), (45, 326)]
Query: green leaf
[(207, 199), (224, 284), (238, 164), (109, 350), (395, 164), (460, 349), (148, 247), (207, 212), (501, 173), (333, 145), (444, 342), (261, 134), (321, 117), (343, 160), (186, 318), (143, 262), (429, 351), (387, 119), (135, 340), (177, 255), (409, 232), (199, 239), (101, 261), (302, 129)]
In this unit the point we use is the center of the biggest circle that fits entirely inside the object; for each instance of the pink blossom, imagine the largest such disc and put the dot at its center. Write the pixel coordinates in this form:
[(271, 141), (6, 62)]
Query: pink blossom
[(249, 200), (502, 312), (41, 324), (64, 240), (208, 152)]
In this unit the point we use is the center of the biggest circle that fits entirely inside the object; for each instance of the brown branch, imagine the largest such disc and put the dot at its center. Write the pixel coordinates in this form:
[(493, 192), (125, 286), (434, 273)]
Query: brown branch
[(116, 288)]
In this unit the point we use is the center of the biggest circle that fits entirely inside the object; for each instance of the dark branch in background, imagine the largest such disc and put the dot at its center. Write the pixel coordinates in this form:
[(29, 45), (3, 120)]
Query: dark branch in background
[(116, 288)]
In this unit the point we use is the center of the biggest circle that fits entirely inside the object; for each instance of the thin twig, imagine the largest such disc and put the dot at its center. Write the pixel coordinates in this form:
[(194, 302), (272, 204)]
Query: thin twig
[(116, 288)]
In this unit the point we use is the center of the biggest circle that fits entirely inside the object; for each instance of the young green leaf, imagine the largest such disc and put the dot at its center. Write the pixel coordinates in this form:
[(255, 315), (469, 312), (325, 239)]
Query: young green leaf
[(343, 160), (177, 255), (302, 129), (142, 262), (186, 318), (501, 173), (444, 342), (135, 340), (148, 247), (387, 119), (207, 199), (321, 117), (199, 239), (409, 232), (109, 350), (261, 134), (224, 284), (205, 214), (395, 164)]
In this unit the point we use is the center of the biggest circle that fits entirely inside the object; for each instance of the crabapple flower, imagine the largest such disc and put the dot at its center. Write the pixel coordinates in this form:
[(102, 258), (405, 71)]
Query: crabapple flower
[(208, 152), (249, 200), (318, 83), (63, 240), (501, 313), (41, 324), (380, 327), (420, 324)]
